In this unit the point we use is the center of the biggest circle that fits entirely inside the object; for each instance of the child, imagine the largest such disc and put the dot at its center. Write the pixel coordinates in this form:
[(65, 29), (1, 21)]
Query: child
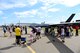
[(31, 37)]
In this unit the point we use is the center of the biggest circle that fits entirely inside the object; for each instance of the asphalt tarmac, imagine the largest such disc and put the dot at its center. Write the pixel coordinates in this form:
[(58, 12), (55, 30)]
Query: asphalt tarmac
[(43, 45)]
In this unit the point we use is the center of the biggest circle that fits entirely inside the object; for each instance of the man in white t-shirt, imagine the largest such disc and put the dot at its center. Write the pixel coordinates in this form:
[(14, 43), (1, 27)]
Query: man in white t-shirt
[(62, 34)]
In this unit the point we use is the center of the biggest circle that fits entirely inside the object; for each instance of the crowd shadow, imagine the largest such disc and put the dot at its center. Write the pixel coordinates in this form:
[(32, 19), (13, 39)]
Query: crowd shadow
[(61, 47), (6, 48)]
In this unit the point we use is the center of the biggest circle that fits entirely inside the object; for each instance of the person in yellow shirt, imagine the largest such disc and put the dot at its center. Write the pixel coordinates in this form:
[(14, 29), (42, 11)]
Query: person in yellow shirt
[(18, 35)]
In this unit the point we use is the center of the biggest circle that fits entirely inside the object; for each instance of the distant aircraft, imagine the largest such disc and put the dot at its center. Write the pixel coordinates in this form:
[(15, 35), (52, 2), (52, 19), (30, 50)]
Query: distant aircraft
[(67, 22), (75, 25)]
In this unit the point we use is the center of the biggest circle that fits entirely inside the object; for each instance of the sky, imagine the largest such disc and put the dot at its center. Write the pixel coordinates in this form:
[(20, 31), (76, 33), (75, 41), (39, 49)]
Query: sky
[(37, 11)]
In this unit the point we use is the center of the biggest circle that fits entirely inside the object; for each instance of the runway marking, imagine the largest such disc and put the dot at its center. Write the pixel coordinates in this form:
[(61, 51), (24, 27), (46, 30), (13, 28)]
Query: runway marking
[(31, 49)]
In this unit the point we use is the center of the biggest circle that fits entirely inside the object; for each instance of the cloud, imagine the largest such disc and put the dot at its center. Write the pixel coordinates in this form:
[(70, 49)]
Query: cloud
[(78, 13), (4, 18), (16, 3), (49, 1), (53, 9), (69, 3), (32, 2), (46, 9), (4, 6), (49, 8), (8, 4), (26, 13), (42, 12), (1, 12)]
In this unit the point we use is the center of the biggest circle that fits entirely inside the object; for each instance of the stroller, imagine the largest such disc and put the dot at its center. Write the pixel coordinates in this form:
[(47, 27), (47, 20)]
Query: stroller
[(23, 41), (32, 37)]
